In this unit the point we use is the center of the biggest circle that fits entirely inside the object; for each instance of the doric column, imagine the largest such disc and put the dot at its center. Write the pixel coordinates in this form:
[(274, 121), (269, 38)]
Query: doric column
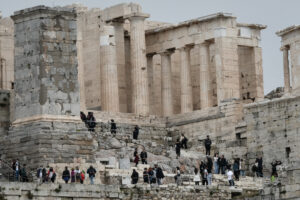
[(109, 70), (120, 48), (185, 80), (140, 101), (166, 83), (150, 82), (205, 77), (286, 70)]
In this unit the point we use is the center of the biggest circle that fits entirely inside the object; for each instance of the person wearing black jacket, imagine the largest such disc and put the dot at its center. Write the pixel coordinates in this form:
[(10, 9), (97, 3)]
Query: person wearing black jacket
[(209, 170), (144, 156), (177, 148), (274, 165), (207, 144), (91, 121), (223, 164), (159, 174), (91, 171), (136, 132), (260, 166), (134, 177), (113, 127), (66, 175)]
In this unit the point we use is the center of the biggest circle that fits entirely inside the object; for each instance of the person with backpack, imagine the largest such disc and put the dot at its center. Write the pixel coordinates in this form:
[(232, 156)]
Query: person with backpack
[(92, 172), (66, 175), (51, 175), (159, 174), (207, 144)]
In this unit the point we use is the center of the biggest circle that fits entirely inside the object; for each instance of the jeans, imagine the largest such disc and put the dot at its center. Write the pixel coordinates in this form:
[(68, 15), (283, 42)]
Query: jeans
[(223, 169), (207, 150), (158, 181), (231, 182), (92, 180), (242, 172), (17, 175), (216, 167), (209, 178)]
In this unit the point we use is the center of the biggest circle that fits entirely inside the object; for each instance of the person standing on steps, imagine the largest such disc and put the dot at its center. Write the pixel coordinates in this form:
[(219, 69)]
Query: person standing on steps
[(83, 117), (223, 164), (66, 175), (183, 141), (159, 174), (136, 132), (134, 177), (178, 176), (236, 169), (177, 148), (242, 167), (91, 171), (39, 174), (209, 170), (136, 159), (146, 176), (205, 176), (230, 176), (196, 176), (113, 127), (91, 121), (259, 162), (144, 156), (207, 144), (216, 163)]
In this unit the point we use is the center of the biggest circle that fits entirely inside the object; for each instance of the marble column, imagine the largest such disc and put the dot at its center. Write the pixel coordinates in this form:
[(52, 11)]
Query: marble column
[(286, 70), (109, 70), (166, 83), (140, 92), (185, 80), (120, 47), (150, 82), (205, 77)]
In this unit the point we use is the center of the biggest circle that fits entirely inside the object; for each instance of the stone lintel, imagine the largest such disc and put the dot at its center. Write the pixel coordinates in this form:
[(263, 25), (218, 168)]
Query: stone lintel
[(287, 30), (253, 26), (47, 118), (137, 15)]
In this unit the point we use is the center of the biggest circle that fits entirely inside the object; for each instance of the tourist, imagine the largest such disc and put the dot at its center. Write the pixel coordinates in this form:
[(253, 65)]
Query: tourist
[(39, 174), (146, 176), (44, 175), (82, 176), (83, 117), (151, 173), (73, 176), (51, 174), (113, 127), (196, 176), (205, 176), (230, 176), (136, 132), (66, 175), (134, 177), (77, 174), (207, 144), (91, 121), (236, 169), (92, 172), (16, 168), (274, 169), (177, 148), (159, 174), (178, 176), (144, 156), (216, 163), (259, 162), (242, 167), (23, 174), (223, 164), (183, 141), (136, 160), (209, 165)]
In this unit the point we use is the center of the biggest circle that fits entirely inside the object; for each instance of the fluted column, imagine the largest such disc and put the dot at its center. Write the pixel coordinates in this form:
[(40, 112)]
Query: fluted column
[(109, 70), (286, 70), (140, 101), (205, 77), (120, 48), (166, 83), (150, 83), (185, 80)]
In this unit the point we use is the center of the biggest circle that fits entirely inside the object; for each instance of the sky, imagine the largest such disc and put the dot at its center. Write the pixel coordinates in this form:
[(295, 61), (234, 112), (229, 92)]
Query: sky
[(276, 14)]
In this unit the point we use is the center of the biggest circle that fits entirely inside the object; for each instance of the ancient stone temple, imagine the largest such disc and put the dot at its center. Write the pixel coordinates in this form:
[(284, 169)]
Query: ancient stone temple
[(199, 77)]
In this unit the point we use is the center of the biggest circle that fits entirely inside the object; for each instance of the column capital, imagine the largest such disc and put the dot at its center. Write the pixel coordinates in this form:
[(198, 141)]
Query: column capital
[(167, 52), (286, 47), (186, 47), (136, 15), (150, 55)]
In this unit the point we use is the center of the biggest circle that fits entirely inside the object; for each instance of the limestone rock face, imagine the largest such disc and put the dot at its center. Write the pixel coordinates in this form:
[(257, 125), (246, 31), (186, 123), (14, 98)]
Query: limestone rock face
[(113, 143)]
